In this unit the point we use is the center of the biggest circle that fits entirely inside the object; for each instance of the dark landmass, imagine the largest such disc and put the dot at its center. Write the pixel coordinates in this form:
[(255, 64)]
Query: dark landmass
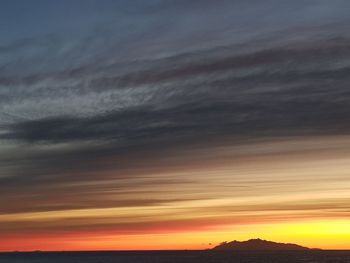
[(258, 244)]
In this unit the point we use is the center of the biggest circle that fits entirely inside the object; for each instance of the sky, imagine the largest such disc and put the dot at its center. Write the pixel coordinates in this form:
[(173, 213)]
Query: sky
[(173, 124)]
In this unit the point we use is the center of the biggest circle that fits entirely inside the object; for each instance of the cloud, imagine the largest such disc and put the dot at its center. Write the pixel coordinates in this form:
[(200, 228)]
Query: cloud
[(157, 113), (296, 89)]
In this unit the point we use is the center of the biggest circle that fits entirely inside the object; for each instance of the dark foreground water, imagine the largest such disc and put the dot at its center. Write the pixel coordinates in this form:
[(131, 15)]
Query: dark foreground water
[(177, 257)]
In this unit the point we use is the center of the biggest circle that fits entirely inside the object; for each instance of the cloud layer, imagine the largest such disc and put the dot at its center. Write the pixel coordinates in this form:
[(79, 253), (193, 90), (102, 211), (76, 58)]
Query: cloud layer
[(165, 113)]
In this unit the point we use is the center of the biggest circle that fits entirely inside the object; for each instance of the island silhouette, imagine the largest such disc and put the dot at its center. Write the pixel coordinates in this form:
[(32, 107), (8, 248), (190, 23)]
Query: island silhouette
[(258, 244)]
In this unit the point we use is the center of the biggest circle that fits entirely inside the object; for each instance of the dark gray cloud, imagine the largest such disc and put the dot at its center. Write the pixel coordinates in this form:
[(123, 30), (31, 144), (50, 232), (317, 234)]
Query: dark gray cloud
[(121, 100), (300, 88)]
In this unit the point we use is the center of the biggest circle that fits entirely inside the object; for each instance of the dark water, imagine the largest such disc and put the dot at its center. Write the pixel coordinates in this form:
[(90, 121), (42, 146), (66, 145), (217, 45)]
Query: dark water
[(178, 257)]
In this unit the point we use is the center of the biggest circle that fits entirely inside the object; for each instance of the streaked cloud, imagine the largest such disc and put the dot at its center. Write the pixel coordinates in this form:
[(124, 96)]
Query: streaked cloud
[(168, 117)]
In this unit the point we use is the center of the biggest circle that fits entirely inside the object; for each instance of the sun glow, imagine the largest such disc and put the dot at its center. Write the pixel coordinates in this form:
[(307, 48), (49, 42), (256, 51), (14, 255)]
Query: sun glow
[(323, 234)]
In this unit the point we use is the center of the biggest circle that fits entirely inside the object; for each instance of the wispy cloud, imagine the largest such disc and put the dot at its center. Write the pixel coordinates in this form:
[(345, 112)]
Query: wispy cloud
[(157, 119)]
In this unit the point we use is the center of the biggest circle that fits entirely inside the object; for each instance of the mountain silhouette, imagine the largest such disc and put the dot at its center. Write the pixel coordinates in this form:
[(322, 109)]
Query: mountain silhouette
[(257, 244)]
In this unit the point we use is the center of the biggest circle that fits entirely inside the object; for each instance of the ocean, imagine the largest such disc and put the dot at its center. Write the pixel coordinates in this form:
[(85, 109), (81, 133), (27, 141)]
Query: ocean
[(313, 256)]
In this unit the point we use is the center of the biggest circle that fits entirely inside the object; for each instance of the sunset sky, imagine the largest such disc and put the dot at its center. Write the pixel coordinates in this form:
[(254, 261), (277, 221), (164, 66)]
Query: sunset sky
[(174, 124)]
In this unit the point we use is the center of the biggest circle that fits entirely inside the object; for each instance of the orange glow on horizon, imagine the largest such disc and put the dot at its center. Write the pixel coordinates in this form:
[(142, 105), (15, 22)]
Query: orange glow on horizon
[(324, 234)]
